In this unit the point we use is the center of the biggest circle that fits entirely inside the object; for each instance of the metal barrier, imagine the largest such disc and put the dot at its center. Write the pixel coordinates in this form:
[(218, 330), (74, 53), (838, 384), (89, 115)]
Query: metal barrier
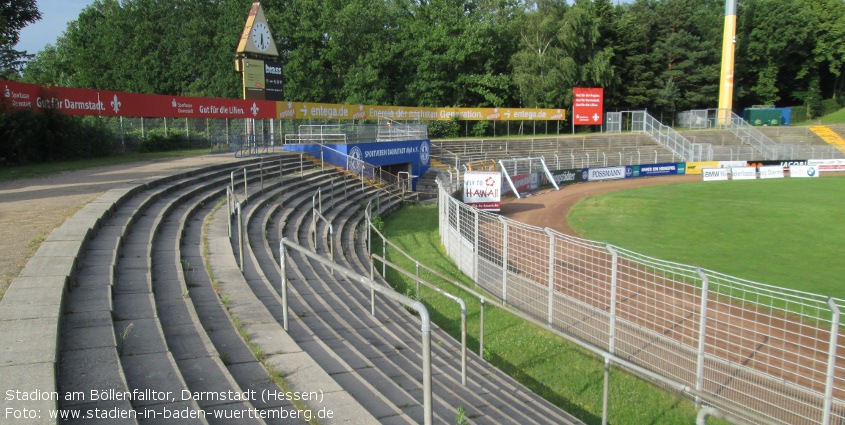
[(763, 353), (386, 292)]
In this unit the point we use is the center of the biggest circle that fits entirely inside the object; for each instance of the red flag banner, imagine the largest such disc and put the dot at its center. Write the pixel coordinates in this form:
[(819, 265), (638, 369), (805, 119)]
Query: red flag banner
[(588, 106)]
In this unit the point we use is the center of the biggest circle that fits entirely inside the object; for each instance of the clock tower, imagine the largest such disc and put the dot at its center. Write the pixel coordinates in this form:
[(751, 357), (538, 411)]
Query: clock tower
[(255, 58)]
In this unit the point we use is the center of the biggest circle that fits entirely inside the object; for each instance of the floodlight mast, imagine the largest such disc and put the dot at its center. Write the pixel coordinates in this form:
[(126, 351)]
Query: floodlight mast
[(726, 80)]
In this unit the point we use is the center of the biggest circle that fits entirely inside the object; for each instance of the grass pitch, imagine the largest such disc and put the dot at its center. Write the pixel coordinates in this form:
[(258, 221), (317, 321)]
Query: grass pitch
[(783, 232)]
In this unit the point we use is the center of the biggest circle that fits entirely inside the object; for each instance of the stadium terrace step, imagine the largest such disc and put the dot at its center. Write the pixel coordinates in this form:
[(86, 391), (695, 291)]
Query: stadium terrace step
[(829, 136), (329, 317)]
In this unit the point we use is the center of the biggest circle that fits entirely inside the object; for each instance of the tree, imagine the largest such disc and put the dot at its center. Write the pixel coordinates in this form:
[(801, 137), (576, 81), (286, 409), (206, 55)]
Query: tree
[(538, 71), (15, 15)]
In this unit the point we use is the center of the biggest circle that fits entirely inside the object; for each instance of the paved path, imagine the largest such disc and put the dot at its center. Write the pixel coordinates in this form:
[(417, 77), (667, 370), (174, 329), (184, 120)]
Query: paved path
[(31, 208)]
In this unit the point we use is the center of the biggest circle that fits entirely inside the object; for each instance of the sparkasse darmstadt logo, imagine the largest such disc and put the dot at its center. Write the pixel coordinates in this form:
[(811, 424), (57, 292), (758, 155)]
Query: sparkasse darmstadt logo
[(115, 104)]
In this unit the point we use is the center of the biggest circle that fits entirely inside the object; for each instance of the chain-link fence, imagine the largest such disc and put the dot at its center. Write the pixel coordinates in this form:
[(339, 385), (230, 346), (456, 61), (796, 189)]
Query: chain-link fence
[(767, 354)]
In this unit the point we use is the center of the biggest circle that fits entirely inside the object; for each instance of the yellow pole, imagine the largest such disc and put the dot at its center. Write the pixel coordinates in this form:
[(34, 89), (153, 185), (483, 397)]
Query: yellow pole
[(726, 80)]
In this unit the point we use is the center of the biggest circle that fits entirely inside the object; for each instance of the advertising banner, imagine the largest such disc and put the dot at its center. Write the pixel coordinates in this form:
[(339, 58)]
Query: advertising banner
[(273, 82), (606, 173), (771, 172), (743, 173), (696, 167), (828, 164), (666, 169), (524, 183), (108, 103), (253, 76), (714, 174), (483, 190), (588, 106), (784, 164), (567, 177), (263, 79), (804, 171)]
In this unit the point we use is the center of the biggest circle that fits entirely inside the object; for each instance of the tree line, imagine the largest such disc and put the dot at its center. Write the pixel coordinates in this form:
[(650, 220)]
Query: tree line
[(661, 55)]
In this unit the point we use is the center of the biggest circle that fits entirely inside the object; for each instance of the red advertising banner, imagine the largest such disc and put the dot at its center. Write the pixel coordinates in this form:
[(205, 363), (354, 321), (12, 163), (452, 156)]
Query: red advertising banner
[(109, 103), (588, 106)]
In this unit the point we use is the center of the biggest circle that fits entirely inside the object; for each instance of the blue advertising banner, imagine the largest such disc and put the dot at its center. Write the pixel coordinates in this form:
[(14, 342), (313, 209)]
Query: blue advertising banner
[(665, 169), (414, 152)]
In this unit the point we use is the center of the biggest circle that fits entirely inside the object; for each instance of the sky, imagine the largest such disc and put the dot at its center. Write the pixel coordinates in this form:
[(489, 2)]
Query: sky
[(55, 15)]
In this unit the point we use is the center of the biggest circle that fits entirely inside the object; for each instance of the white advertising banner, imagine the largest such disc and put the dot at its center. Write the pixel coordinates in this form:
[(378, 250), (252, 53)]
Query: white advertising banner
[(483, 190), (729, 164), (714, 174), (804, 171), (828, 164), (743, 173), (606, 173), (771, 172)]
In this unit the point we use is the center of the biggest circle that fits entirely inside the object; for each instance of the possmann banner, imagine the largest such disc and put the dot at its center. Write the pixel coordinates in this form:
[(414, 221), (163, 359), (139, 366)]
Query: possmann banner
[(606, 173), (74, 101)]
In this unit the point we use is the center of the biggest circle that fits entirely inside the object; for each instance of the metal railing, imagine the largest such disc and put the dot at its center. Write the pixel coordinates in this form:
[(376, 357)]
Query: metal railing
[(385, 131), (764, 353), (387, 292)]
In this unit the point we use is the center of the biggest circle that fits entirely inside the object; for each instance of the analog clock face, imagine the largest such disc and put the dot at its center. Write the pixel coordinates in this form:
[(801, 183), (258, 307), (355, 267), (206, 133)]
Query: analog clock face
[(261, 36)]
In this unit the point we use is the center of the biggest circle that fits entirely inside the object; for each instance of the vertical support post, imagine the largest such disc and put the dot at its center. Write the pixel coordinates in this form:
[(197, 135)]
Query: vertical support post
[(504, 259), (702, 326), (372, 287), (383, 255), (261, 173), (426, 348), (301, 166), (476, 248), (551, 273), (229, 211), (280, 170), (232, 184), (463, 341), (606, 394), (282, 270), (418, 277), (831, 360), (240, 237), (481, 331), (246, 193)]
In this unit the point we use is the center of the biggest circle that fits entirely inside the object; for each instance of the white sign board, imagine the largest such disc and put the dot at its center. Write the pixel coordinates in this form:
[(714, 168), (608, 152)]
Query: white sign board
[(483, 190), (804, 171), (606, 173), (743, 173), (771, 172), (828, 164), (713, 174)]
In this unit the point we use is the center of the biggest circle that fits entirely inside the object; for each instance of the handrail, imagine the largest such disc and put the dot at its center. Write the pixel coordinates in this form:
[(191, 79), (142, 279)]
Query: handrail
[(417, 306), (430, 285)]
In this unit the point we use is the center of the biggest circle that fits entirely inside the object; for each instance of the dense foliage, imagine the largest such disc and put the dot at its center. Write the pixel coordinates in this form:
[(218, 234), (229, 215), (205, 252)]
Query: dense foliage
[(14, 16), (663, 55)]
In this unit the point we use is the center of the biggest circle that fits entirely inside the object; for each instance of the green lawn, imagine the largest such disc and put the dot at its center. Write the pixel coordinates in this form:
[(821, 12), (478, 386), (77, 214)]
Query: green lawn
[(561, 372), (784, 232)]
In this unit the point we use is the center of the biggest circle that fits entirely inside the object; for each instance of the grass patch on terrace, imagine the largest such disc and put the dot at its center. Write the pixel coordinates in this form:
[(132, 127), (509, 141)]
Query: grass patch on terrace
[(560, 371), (783, 232), (43, 169)]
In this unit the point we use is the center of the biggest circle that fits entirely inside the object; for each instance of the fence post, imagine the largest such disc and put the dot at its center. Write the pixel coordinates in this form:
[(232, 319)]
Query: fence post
[(372, 288), (551, 273), (261, 173), (504, 259), (831, 361), (699, 369), (481, 331), (282, 270), (611, 331), (229, 211), (240, 237), (475, 248), (246, 193)]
